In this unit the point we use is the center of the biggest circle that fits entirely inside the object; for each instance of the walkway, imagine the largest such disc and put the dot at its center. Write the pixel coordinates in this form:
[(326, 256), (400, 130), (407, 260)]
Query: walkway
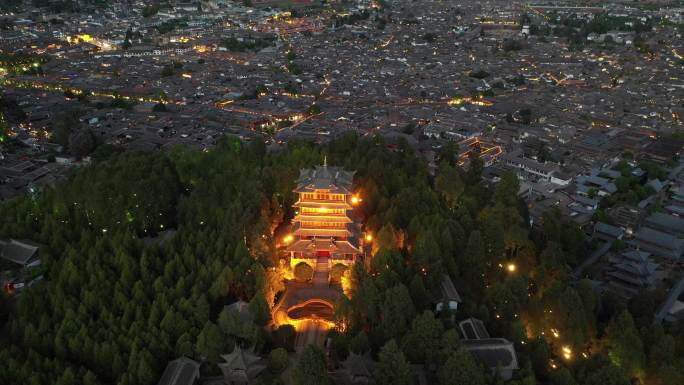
[(577, 273), (320, 277), (312, 320), (669, 301), (310, 332)]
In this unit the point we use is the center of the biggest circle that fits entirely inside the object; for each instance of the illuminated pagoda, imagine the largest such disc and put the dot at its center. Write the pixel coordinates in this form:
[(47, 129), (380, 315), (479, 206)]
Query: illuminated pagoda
[(322, 226)]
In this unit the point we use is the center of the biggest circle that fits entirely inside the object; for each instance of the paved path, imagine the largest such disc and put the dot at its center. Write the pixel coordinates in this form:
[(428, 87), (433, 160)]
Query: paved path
[(577, 273), (310, 332), (669, 301), (314, 325), (320, 277)]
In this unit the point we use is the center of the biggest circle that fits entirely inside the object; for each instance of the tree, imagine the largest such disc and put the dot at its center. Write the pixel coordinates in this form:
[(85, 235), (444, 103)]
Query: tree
[(479, 74), (210, 342), (568, 315), (258, 309), (460, 369), (232, 327), (64, 124), (422, 342), (278, 360), (512, 45), (427, 258), (473, 264), (606, 375), (623, 344), (359, 344), (167, 71), (314, 109), (474, 174), (4, 128), (150, 10), (159, 107), (290, 55), (419, 293), (127, 40), (303, 272), (392, 367), (447, 153), (429, 37), (337, 271), (449, 184), (285, 336), (562, 376), (310, 368), (506, 191), (81, 142), (397, 312)]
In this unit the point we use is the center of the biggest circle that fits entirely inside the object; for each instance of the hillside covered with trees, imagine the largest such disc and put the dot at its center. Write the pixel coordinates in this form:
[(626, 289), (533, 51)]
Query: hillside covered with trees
[(118, 302)]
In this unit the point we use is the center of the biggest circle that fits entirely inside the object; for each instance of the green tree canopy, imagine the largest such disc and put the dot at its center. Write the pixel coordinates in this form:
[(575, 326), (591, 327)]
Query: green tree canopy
[(392, 367), (310, 368)]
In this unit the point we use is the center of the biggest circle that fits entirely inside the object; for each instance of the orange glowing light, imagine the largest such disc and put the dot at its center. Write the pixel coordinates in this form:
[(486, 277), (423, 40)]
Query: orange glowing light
[(288, 239), (511, 267), (567, 352), (369, 237), (355, 200)]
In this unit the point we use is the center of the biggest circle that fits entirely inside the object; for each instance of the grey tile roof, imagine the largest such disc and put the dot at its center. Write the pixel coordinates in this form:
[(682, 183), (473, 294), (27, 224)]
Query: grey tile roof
[(335, 179), (19, 252), (449, 292), (493, 352), (473, 329), (659, 242), (182, 371), (666, 223), (607, 229)]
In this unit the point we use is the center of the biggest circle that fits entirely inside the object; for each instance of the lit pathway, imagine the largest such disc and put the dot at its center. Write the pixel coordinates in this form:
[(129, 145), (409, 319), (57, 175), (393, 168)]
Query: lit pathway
[(310, 332), (320, 277)]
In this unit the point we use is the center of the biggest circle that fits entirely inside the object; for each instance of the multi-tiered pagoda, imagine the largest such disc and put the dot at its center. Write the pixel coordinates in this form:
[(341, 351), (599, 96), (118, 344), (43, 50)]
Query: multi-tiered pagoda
[(322, 226)]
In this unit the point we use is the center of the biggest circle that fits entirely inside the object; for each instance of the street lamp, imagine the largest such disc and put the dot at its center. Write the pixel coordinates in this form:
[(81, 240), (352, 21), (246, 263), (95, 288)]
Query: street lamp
[(511, 267)]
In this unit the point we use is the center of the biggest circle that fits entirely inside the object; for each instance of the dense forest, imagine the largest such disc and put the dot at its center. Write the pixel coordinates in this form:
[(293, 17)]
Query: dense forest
[(121, 298)]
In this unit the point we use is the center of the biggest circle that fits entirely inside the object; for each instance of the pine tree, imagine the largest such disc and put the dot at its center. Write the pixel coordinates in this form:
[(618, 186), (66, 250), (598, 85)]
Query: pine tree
[(310, 368), (392, 367), (397, 312), (460, 369)]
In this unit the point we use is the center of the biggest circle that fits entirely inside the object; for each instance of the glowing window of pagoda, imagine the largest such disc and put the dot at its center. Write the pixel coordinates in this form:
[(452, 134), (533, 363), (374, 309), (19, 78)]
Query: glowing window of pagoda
[(321, 210)]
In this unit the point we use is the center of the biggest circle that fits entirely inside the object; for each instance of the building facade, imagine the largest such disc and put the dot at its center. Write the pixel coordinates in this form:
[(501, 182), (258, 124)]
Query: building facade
[(322, 227)]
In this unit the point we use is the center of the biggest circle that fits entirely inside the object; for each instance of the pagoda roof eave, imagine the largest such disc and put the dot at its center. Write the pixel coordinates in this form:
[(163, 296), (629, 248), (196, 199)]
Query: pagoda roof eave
[(322, 218), (312, 245), (322, 233), (329, 204), (331, 189)]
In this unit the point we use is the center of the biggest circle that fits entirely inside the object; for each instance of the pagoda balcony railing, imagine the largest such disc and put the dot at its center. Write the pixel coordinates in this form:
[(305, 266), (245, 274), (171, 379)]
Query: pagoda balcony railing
[(333, 256), (323, 214), (323, 227), (314, 200)]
